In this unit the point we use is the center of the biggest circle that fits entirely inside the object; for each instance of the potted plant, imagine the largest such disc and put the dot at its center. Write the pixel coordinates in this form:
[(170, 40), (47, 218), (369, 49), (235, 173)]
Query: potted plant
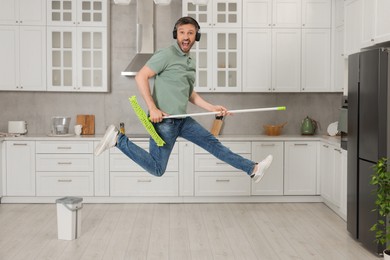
[(381, 179)]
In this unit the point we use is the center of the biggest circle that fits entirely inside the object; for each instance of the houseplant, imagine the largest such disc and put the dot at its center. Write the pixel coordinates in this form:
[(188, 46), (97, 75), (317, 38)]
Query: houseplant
[(381, 179)]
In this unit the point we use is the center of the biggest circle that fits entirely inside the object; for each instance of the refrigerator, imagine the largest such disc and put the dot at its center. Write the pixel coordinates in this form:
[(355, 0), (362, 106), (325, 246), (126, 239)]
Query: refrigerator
[(368, 138)]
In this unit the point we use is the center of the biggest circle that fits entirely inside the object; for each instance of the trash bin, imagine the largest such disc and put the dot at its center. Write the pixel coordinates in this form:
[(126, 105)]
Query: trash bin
[(69, 217)]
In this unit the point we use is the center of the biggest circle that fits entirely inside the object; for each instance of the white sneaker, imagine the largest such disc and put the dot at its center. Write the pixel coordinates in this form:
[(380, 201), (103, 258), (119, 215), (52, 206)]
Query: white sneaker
[(109, 140), (261, 169)]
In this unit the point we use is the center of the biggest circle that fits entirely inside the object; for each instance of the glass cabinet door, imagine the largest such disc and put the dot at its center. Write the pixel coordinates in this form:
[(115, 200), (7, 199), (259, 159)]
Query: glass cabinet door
[(204, 59), (61, 12), (227, 13), (201, 13), (92, 59), (61, 58), (227, 46)]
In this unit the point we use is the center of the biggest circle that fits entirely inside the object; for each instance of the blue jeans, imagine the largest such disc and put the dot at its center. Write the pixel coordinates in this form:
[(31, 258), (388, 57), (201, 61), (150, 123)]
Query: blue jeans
[(155, 161)]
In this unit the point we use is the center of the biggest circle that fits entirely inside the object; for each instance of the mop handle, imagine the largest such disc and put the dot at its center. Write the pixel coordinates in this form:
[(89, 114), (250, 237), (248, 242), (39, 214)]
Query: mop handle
[(230, 111)]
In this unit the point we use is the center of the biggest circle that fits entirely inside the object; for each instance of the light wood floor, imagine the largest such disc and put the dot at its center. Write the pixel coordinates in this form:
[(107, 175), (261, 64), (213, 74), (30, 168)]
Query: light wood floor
[(180, 231)]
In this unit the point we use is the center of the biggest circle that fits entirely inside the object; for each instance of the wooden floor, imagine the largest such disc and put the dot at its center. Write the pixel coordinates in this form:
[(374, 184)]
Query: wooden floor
[(180, 231)]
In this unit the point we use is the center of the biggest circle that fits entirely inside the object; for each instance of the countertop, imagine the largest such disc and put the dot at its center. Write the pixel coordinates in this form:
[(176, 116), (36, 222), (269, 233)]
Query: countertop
[(334, 140)]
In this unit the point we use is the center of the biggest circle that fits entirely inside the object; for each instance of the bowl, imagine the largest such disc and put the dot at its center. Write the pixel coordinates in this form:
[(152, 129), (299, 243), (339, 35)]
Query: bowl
[(60, 125), (273, 130)]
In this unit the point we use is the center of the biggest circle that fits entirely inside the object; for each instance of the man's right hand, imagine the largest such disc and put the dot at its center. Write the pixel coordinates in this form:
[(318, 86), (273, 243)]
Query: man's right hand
[(156, 115)]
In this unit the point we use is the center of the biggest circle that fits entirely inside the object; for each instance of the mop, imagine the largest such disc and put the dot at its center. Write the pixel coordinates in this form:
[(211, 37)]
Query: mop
[(142, 116)]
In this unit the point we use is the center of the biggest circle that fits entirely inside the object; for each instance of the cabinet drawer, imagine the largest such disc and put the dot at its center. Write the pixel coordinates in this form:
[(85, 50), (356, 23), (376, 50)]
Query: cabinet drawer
[(227, 184), (143, 145), (64, 183), (237, 147), (207, 162), (143, 184), (64, 147), (64, 162), (122, 163)]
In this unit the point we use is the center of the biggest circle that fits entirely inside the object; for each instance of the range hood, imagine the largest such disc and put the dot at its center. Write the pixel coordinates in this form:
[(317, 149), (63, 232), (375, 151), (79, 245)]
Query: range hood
[(145, 37)]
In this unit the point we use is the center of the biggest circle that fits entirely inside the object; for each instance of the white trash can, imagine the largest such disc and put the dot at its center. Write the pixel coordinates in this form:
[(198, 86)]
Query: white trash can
[(69, 217)]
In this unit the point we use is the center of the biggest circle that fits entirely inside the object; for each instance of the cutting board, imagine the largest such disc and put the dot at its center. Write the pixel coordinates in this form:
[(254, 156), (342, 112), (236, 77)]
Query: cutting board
[(88, 123)]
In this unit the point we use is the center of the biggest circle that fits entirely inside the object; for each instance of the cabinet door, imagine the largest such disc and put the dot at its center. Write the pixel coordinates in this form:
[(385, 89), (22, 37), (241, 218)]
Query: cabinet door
[(61, 58), (315, 60), (339, 13), (257, 13), (227, 13), (272, 182), (61, 12), (186, 169), (326, 171), (102, 173), (20, 157), (382, 24), (32, 58), (353, 26), (9, 12), (204, 60), (256, 65), (227, 60), (92, 59), (286, 14), (9, 53), (343, 189), (92, 12), (338, 178), (368, 23), (340, 62), (300, 174), (32, 12), (316, 13), (286, 60), (201, 13)]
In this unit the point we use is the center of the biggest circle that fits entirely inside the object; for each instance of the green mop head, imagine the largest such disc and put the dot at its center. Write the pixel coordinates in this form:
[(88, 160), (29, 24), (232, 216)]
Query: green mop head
[(145, 121)]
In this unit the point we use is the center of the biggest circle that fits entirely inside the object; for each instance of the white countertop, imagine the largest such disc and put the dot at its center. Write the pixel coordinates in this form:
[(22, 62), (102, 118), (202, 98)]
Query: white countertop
[(334, 140)]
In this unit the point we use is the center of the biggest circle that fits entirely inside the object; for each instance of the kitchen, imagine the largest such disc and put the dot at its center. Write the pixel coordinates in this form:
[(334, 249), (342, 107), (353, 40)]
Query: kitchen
[(37, 108)]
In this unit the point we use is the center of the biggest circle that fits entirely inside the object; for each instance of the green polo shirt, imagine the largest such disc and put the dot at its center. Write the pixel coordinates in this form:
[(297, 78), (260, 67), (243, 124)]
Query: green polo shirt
[(174, 80)]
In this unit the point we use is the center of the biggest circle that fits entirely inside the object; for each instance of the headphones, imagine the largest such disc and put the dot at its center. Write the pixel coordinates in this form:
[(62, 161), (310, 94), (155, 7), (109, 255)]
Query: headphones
[(187, 20)]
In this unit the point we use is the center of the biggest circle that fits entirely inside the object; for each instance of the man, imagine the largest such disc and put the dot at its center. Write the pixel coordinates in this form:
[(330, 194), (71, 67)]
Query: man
[(174, 73)]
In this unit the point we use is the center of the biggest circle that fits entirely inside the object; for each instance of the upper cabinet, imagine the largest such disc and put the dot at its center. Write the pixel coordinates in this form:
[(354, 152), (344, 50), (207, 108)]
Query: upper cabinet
[(77, 45), (23, 45), (286, 45), (366, 23), (77, 12), (23, 12)]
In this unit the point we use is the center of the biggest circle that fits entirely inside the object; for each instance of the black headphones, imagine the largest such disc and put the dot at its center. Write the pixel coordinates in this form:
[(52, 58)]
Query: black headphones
[(187, 20)]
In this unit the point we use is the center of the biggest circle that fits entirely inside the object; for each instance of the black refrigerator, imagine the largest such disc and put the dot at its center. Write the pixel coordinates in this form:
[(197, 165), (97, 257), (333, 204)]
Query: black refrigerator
[(368, 138)]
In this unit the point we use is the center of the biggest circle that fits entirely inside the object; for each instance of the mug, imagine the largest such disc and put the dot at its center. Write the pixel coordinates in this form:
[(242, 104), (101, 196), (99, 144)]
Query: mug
[(17, 127), (78, 129)]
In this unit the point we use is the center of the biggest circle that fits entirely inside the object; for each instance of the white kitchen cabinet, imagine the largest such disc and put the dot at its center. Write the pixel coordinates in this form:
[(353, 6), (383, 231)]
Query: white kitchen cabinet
[(316, 13), (368, 23), (343, 184), (272, 182), (77, 41), (316, 64), (218, 53), (382, 21), (214, 177), (102, 173), (300, 168), (338, 13), (77, 59), (128, 178), (75, 12), (23, 12), (272, 13), (65, 168), (217, 13), (23, 62), (20, 168), (326, 171), (186, 169), (340, 62), (353, 10)]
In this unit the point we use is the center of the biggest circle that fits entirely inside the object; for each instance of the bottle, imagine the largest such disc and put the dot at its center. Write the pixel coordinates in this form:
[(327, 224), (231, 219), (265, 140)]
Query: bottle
[(122, 128)]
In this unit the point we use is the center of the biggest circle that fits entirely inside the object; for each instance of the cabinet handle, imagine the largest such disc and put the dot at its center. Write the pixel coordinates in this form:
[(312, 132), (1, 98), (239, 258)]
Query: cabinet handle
[(64, 147), (326, 146), (20, 144), (267, 144), (64, 181), (64, 163), (300, 144), (149, 180), (337, 150), (221, 163), (222, 180)]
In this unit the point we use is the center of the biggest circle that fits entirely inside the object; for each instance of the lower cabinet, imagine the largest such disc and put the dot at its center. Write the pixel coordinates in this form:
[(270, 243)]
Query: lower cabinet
[(214, 177), (300, 168), (20, 168), (64, 168), (128, 179), (272, 182)]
